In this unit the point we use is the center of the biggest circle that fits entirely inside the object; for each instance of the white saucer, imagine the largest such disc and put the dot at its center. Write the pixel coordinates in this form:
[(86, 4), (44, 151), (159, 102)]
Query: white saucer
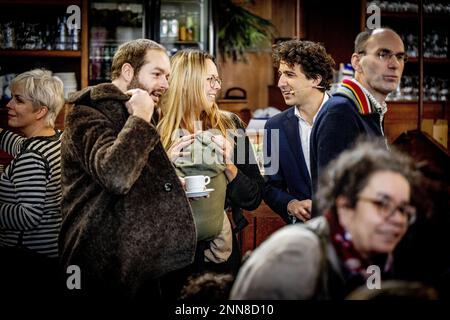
[(198, 194)]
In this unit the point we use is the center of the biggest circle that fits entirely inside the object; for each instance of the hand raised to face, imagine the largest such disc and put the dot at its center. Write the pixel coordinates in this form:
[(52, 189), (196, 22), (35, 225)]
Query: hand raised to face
[(140, 104)]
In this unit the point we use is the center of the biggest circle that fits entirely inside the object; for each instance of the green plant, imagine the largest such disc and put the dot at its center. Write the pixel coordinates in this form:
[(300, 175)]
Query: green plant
[(239, 30)]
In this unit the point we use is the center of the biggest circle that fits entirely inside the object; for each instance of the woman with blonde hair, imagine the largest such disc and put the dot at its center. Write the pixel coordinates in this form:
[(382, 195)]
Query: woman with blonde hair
[(191, 119), (30, 189)]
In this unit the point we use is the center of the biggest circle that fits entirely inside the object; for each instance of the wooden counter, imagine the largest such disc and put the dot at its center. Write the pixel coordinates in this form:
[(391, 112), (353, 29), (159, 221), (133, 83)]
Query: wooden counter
[(262, 223)]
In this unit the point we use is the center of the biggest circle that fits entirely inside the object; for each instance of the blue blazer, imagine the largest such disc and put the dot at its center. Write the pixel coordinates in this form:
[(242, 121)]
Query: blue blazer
[(291, 179), (336, 128)]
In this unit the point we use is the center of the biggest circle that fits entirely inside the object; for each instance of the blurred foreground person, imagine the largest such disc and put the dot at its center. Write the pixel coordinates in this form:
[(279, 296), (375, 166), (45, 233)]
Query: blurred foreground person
[(364, 197)]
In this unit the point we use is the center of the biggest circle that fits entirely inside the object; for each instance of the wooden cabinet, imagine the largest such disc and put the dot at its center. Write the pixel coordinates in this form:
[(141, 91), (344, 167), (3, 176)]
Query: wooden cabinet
[(403, 116), (423, 92), (262, 223), (30, 38)]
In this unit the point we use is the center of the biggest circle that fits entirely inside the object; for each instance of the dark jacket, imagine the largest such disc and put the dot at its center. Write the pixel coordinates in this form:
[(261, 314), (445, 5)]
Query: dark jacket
[(291, 180), (126, 219), (246, 189), (337, 126)]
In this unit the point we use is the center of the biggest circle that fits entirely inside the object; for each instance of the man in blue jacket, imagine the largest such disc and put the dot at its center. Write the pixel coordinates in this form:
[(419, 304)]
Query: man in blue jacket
[(306, 71), (358, 106)]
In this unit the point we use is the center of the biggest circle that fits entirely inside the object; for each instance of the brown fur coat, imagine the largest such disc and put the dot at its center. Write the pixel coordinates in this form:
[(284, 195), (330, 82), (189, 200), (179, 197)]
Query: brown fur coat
[(126, 219)]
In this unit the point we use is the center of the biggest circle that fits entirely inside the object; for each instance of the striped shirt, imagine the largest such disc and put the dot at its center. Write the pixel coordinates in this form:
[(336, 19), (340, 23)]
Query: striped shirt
[(30, 193)]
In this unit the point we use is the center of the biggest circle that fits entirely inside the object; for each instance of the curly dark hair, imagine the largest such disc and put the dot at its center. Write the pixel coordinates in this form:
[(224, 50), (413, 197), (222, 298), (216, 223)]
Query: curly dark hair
[(311, 56), (349, 174)]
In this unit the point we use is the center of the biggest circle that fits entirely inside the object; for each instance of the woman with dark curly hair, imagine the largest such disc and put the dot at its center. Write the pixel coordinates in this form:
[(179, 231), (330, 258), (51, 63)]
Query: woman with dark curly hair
[(364, 198)]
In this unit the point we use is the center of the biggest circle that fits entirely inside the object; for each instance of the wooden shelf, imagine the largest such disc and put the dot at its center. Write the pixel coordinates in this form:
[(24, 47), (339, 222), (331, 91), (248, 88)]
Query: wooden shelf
[(400, 15), (42, 2), (430, 60), (42, 53), (435, 16), (179, 42), (415, 102), (415, 15), (186, 42), (68, 60)]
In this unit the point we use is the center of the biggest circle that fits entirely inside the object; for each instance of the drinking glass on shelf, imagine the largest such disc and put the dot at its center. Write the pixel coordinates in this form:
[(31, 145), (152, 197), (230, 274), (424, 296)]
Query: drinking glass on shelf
[(172, 25), (443, 89), (395, 95), (411, 42), (433, 89), (407, 88), (426, 85), (30, 36), (164, 26), (48, 37), (415, 85), (9, 35)]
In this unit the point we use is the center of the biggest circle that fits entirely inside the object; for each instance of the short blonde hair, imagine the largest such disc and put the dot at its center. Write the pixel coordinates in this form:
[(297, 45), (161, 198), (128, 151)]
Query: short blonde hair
[(42, 89)]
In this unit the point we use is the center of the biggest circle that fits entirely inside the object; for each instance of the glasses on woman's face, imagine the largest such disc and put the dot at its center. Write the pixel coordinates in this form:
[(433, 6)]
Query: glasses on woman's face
[(213, 81), (387, 208)]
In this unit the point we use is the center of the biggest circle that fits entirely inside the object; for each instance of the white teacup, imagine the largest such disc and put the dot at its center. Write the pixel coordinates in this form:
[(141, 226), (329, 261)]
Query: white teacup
[(196, 183)]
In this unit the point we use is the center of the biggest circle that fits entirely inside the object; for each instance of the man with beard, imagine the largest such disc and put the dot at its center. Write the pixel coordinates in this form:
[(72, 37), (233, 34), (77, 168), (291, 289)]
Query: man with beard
[(126, 219)]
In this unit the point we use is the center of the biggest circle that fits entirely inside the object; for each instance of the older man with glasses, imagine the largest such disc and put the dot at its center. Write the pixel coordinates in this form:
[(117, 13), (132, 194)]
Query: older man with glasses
[(358, 106)]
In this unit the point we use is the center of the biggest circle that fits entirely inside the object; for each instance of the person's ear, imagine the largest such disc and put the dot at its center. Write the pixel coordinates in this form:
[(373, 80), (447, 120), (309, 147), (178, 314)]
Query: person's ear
[(41, 112), (317, 80), (356, 62), (344, 211), (127, 72)]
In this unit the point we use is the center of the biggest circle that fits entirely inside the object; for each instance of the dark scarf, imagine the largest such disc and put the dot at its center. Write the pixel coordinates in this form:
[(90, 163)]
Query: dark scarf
[(354, 265)]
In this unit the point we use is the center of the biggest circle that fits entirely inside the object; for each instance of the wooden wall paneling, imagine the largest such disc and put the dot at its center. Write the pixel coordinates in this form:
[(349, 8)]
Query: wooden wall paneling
[(262, 223), (335, 24), (288, 17), (257, 74), (247, 237), (284, 17), (253, 76), (399, 118), (403, 116), (276, 98)]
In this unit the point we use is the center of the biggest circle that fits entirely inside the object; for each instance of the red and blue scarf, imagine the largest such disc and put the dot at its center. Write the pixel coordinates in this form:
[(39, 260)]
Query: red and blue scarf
[(354, 263)]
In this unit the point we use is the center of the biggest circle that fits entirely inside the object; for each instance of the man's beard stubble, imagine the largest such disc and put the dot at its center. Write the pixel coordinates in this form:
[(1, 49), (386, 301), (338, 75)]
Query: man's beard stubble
[(135, 84)]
